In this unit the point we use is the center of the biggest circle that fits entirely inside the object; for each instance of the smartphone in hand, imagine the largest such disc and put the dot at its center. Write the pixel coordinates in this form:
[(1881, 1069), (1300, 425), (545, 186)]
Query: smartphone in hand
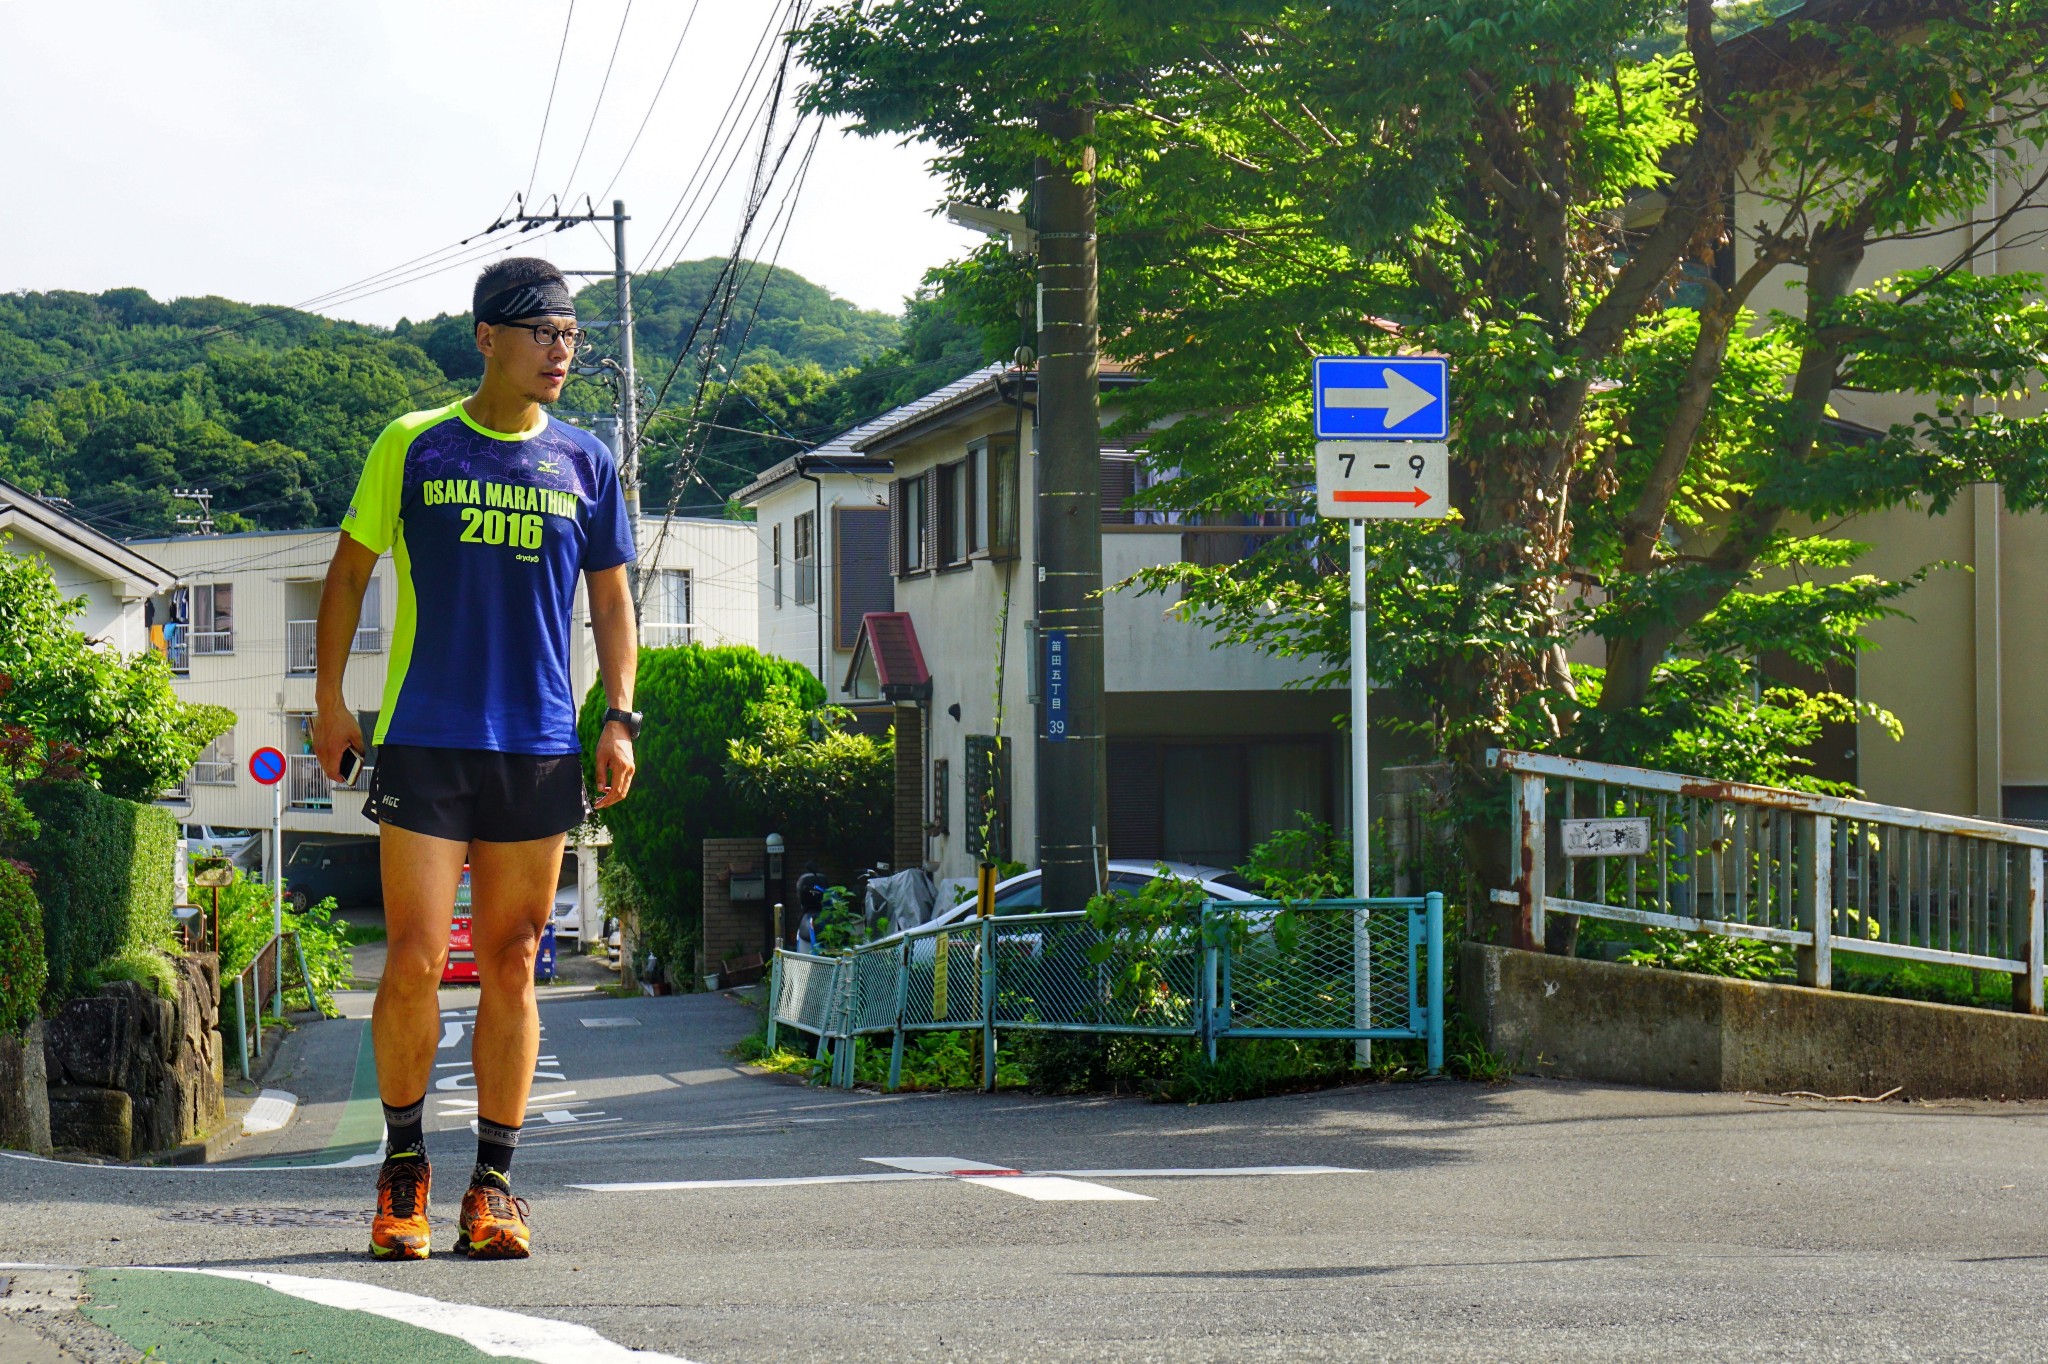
[(351, 766)]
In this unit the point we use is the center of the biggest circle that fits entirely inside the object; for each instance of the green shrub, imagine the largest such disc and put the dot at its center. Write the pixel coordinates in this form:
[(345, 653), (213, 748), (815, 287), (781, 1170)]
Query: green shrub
[(102, 870), (246, 923), (697, 700), (23, 968), (810, 776), (1709, 954)]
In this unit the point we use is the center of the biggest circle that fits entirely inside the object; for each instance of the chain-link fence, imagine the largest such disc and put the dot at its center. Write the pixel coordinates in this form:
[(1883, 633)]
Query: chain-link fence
[(1340, 969)]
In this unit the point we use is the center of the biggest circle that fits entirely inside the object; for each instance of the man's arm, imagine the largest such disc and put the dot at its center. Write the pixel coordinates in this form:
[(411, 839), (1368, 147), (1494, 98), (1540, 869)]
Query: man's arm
[(341, 606), (618, 659)]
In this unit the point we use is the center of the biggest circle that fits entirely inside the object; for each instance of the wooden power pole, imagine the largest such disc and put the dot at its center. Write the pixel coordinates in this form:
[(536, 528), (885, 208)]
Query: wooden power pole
[(1072, 768)]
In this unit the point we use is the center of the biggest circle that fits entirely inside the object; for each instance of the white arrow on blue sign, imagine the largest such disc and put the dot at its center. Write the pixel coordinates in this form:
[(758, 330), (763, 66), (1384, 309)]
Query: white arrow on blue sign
[(1382, 397)]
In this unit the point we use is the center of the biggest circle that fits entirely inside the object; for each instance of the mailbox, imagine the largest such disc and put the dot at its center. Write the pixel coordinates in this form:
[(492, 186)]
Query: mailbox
[(749, 885)]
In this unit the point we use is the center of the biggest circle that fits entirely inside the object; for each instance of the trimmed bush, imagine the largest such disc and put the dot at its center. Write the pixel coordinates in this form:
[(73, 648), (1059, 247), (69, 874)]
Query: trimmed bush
[(697, 699), (23, 969), (103, 869)]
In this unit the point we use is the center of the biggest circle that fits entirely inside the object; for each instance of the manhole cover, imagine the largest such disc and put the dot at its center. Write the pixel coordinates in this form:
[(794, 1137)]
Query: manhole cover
[(272, 1217)]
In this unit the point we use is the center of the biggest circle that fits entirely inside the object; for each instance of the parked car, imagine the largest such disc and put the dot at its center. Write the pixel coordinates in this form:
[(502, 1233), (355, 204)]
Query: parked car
[(460, 967), (346, 871), (1024, 894), (565, 916), (243, 847)]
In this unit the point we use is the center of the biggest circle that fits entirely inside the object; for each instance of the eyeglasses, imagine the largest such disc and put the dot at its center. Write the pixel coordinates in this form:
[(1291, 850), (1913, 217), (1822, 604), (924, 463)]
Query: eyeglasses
[(547, 333)]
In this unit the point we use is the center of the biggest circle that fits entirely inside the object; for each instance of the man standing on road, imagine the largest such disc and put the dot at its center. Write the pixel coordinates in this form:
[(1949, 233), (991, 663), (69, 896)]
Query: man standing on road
[(491, 510)]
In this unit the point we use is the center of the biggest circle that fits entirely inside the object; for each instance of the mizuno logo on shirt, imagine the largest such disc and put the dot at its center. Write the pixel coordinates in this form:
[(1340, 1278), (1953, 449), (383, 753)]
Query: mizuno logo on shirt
[(548, 466)]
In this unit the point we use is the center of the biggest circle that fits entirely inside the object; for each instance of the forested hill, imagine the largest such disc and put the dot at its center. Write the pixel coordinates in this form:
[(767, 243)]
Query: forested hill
[(113, 400)]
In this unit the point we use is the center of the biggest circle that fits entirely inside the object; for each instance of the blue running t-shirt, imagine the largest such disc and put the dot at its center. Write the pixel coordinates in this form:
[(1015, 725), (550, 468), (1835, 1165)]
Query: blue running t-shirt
[(488, 533)]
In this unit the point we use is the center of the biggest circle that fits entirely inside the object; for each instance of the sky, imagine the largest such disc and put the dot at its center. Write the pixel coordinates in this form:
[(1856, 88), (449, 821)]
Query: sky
[(275, 152)]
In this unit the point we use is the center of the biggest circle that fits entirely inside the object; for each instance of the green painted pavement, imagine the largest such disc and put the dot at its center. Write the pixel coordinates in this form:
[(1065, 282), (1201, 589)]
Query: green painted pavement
[(359, 1132), (198, 1319)]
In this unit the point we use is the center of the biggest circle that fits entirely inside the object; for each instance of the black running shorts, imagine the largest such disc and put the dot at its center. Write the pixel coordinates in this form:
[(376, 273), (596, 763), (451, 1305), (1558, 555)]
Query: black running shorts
[(469, 793)]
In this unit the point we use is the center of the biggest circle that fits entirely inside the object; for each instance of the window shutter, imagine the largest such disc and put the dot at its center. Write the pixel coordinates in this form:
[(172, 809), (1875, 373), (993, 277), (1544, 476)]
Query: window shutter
[(863, 580), (930, 528), (895, 529), (1119, 481)]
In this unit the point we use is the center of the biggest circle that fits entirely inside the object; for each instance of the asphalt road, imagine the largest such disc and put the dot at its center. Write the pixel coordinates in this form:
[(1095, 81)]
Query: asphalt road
[(1537, 1221)]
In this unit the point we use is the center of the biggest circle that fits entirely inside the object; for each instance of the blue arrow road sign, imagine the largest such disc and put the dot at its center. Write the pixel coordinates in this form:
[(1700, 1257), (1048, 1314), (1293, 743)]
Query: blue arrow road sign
[(1371, 397)]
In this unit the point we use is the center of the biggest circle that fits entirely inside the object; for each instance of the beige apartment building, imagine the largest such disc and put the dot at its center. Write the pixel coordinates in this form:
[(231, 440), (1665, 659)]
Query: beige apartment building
[(237, 629), (1966, 671)]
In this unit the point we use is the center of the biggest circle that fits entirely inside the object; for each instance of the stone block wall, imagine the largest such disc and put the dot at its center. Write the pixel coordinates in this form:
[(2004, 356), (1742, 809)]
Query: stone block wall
[(130, 1073), (24, 1096)]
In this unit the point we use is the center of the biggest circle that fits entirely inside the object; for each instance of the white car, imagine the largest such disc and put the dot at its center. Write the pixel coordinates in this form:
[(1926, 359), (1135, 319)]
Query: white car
[(566, 917), (1022, 894)]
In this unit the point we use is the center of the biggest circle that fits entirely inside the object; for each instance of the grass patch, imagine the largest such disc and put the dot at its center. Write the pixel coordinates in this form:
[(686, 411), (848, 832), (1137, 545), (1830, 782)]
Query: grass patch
[(356, 935), (145, 966)]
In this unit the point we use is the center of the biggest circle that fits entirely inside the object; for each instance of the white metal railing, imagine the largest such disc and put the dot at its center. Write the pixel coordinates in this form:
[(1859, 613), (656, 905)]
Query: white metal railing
[(1821, 874), (212, 641), (302, 647), (214, 772), (665, 634), (307, 787)]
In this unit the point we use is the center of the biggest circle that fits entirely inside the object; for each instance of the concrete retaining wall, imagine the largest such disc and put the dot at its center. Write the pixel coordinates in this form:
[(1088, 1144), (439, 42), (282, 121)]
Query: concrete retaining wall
[(1588, 1020)]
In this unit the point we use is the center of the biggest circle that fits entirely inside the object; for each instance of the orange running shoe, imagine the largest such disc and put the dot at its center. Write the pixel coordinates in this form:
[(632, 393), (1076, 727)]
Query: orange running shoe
[(399, 1230), (493, 1225)]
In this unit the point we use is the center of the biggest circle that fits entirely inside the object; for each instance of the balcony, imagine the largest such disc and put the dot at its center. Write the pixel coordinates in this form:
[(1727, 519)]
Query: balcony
[(301, 645), (214, 772), (306, 786), (213, 641)]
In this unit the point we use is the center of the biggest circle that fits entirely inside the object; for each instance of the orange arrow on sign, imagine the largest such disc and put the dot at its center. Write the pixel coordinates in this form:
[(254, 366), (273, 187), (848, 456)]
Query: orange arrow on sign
[(1414, 498)]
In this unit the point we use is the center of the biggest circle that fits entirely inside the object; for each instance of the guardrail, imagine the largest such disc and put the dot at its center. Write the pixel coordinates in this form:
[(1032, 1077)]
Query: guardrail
[(246, 988), (1338, 969), (1820, 874)]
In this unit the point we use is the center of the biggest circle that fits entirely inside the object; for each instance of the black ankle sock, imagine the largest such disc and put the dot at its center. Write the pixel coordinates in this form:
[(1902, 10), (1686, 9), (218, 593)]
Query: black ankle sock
[(495, 1143), (405, 1128)]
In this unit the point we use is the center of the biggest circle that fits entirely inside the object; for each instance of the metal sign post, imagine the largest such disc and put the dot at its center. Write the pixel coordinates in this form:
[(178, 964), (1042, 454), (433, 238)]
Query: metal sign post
[(267, 765), (1380, 424)]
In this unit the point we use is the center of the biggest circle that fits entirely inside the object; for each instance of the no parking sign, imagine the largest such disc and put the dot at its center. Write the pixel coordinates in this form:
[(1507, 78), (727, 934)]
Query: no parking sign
[(267, 766)]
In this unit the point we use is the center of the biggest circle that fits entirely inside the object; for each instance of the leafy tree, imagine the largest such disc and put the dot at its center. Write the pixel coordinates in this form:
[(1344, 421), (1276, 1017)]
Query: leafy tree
[(116, 718), (1639, 230), (807, 774), (697, 700)]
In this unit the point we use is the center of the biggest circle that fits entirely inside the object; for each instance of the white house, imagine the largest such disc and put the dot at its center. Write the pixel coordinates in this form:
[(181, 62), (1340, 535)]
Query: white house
[(116, 581), (241, 615), (1211, 750)]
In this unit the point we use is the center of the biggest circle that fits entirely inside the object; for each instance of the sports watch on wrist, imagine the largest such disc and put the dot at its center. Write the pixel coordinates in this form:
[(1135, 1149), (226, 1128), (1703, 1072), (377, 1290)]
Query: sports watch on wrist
[(629, 718)]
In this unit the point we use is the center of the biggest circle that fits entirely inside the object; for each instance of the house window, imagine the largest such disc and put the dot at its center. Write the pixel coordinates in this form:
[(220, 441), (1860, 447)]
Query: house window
[(976, 495), (370, 622), (213, 618), (666, 619), (215, 765), (861, 581), (911, 500), (998, 490), (950, 500), (806, 537), (988, 797), (942, 797), (775, 560)]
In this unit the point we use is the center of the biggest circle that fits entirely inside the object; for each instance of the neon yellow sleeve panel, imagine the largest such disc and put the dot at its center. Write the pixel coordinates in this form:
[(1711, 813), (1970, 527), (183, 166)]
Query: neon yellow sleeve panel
[(372, 518)]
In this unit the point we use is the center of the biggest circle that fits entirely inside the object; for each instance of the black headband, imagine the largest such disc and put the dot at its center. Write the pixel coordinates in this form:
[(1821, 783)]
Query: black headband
[(540, 298)]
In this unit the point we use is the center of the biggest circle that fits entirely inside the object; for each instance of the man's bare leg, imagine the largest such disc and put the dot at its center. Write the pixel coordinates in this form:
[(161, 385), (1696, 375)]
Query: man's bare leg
[(420, 877), (512, 890)]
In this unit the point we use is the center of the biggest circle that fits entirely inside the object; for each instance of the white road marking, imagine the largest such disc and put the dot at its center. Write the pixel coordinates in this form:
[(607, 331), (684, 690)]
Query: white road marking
[(609, 1022), (272, 1110), (509, 1335), (347, 1163), (451, 1035), (1043, 1185), (1039, 1188)]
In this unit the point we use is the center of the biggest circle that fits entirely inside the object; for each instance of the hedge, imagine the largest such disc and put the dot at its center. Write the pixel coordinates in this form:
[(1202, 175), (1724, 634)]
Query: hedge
[(103, 874), (22, 967)]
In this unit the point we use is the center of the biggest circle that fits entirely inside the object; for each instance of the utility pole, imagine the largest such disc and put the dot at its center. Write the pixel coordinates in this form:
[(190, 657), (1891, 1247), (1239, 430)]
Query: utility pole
[(1072, 751), (626, 450), (201, 498)]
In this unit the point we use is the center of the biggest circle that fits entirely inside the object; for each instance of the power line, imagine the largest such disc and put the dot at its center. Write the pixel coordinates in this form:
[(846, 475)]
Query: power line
[(549, 111), (676, 52), (569, 182)]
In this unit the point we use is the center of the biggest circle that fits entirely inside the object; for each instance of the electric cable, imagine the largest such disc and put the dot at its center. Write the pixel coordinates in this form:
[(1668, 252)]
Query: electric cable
[(569, 182), (549, 111)]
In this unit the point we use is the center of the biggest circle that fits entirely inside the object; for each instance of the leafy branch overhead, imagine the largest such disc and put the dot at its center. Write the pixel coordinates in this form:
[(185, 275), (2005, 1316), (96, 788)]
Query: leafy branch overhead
[(1645, 235)]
